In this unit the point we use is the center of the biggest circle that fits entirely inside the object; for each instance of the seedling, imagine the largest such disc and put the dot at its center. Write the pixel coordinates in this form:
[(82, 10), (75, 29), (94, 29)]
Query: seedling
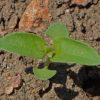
[(63, 49)]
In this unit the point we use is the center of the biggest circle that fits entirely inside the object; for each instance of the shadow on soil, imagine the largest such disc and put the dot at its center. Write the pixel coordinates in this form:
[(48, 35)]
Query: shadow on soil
[(88, 78), (60, 78)]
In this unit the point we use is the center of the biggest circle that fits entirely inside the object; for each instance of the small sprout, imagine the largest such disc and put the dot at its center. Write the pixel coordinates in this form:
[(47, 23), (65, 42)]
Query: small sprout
[(63, 49)]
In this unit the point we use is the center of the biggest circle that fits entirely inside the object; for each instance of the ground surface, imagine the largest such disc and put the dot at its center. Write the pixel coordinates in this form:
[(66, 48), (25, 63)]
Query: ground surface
[(73, 82)]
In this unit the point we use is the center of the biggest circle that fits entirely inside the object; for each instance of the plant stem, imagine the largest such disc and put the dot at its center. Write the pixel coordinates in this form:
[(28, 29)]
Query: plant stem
[(47, 62)]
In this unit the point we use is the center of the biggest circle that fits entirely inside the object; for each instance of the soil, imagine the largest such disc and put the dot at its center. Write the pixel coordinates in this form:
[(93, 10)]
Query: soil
[(72, 82)]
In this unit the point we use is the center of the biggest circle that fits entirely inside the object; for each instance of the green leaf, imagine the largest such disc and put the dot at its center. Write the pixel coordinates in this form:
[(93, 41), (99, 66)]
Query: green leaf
[(73, 51), (44, 73), (25, 44), (57, 30)]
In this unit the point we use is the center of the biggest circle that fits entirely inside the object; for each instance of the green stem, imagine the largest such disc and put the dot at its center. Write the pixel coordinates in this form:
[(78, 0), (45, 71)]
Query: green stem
[(47, 62)]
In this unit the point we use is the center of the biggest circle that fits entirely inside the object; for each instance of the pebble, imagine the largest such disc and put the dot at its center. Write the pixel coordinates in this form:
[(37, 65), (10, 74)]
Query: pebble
[(96, 98), (81, 2), (9, 90), (13, 22), (16, 81), (22, 0)]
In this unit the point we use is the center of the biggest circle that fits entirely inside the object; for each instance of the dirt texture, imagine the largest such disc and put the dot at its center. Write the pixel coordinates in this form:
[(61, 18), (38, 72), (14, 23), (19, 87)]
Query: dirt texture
[(72, 82)]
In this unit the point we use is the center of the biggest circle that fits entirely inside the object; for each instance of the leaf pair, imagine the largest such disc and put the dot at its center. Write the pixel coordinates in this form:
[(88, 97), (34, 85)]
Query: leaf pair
[(64, 48), (69, 50)]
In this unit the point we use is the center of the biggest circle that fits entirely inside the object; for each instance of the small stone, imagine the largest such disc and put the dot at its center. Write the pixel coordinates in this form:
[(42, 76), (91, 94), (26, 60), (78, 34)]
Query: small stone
[(13, 22), (22, 0), (96, 98), (16, 81), (9, 90), (81, 2)]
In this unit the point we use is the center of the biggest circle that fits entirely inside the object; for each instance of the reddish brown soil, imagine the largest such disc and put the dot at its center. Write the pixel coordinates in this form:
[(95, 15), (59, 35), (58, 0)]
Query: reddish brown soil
[(73, 82)]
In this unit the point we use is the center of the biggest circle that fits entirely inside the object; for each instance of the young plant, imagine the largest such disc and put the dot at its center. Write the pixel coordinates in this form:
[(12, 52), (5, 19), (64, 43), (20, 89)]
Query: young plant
[(64, 49)]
